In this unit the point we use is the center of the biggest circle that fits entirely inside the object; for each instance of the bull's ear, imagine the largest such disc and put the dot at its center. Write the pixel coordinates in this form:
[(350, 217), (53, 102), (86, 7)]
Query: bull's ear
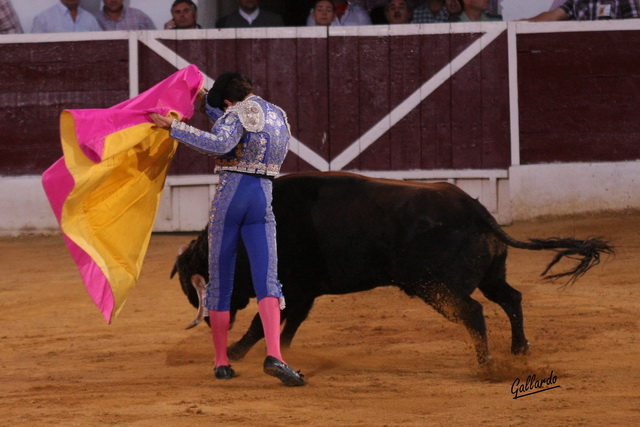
[(174, 271)]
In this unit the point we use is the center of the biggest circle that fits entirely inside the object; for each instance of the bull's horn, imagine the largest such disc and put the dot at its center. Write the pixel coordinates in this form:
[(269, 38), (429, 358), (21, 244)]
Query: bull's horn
[(197, 281)]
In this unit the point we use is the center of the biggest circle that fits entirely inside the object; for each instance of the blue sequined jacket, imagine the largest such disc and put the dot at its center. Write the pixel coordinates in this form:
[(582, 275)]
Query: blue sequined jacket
[(250, 137)]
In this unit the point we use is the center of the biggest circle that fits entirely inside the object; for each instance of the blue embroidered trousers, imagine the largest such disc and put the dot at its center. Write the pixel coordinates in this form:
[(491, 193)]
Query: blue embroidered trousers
[(241, 208)]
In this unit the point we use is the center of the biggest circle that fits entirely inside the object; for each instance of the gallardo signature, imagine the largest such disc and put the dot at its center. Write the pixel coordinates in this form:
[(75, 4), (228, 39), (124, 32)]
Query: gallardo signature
[(533, 385)]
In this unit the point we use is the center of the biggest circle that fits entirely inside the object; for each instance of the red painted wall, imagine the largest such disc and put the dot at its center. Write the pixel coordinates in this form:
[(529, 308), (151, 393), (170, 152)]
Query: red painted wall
[(578, 96), (38, 81)]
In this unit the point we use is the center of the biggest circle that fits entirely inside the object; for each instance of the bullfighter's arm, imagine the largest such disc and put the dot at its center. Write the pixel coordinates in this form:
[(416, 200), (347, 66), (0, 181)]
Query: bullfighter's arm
[(224, 136)]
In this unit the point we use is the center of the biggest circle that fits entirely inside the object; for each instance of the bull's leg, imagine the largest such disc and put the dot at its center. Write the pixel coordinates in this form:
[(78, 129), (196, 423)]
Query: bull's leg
[(255, 333), (295, 313), (510, 300), (464, 309), (298, 310)]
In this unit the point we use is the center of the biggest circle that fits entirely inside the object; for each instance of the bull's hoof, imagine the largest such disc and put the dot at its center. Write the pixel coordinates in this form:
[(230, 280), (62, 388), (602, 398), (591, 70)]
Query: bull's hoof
[(520, 350), (283, 372), (484, 360), (224, 372)]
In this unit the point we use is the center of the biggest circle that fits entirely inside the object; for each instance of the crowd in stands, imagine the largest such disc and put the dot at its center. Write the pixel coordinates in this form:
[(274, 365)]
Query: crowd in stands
[(68, 16)]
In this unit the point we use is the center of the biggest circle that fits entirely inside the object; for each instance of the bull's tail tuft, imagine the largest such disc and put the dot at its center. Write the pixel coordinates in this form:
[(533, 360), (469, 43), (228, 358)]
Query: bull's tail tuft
[(586, 252)]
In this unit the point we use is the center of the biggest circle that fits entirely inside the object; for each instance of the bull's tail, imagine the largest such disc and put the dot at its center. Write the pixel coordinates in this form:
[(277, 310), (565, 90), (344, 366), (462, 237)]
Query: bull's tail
[(587, 252)]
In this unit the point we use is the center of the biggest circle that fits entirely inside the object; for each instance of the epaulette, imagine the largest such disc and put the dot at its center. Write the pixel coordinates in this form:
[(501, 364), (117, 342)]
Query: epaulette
[(250, 114)]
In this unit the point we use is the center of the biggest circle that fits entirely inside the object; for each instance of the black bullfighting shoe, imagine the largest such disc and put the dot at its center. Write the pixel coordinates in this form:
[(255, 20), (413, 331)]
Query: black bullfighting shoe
[(224, 372), (283, 372)]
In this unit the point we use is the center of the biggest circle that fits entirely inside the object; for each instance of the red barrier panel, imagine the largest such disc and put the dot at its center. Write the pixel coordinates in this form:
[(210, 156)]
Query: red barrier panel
[(368, 98)]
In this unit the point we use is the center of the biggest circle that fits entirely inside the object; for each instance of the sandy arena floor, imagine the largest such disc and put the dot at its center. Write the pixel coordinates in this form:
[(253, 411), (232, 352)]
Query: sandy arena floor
[(374, 358)]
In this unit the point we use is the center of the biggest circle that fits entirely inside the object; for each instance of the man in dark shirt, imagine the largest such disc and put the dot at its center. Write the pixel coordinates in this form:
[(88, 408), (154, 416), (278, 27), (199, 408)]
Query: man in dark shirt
[(249, 14)]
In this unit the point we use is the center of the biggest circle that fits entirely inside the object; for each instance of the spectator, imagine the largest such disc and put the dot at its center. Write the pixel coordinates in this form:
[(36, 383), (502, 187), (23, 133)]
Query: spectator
[(455, 9), (249, 14), (324, 12), (64, 17), (589, 10), (346, 14), (476, 11), (398, 12), (494, 7), (369, 4), (9, 23), (115, 16), (434, 11), (184, 16), (376, 9)]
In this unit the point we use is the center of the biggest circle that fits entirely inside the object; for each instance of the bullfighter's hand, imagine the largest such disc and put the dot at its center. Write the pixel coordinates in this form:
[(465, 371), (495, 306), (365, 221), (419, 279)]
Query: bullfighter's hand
[(161, 121), (202, 94)]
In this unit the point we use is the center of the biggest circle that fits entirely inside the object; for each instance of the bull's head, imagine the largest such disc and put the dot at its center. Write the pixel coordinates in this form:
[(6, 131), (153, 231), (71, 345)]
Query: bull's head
[(192, 266)]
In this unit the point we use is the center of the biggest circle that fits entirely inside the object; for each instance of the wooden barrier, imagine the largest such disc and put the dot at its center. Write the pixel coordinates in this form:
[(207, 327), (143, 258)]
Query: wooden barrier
[(462, 102)]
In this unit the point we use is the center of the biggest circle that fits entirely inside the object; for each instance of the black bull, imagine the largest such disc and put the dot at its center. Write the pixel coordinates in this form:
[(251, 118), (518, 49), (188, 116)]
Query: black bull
[(340, 233)]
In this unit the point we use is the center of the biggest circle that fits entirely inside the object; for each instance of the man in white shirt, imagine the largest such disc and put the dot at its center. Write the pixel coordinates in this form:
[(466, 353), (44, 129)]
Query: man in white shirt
[(65, 17), (116, 16), (346, 14)]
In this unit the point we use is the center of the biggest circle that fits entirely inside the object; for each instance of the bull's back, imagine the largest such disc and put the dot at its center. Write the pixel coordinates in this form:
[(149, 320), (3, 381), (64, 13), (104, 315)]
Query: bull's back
[(351, 199), (359, 232)]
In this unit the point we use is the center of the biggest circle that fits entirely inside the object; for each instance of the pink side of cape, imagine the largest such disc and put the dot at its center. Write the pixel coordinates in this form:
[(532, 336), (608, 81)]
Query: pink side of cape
[(176, 93), (173, 93), (58, 183)]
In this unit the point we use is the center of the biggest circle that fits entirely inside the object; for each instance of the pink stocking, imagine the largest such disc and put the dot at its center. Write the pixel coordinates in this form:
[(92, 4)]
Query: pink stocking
[(219, 326), (269, 308)]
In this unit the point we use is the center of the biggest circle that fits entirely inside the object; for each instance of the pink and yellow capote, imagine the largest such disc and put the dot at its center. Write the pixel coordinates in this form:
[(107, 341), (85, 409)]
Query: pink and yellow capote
[(106, 189)]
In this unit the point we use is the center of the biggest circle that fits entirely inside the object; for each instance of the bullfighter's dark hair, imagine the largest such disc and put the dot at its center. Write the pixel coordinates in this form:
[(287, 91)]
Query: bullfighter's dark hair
[(231, 86)]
